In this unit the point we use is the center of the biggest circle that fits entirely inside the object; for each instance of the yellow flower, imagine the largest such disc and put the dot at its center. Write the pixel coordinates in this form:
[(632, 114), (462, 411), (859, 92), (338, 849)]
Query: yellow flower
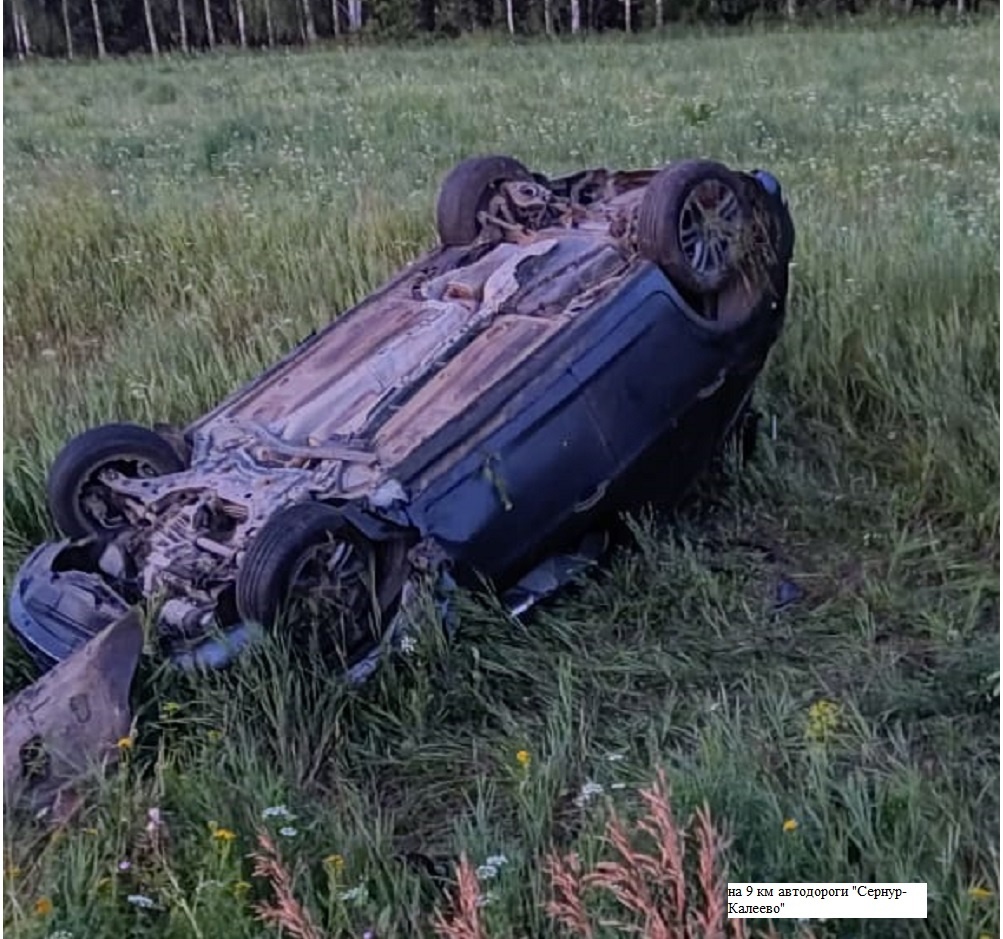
[(980, 893), (790, 824), (240, 888), (12, 871), (223, 834), (43, 906), (523, 758), (336, 862), (168, 708), (214, 735), (824, 718), (125, 743)]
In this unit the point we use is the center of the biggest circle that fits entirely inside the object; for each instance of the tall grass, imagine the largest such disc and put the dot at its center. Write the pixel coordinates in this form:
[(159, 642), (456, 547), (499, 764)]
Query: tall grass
[(172, 227)]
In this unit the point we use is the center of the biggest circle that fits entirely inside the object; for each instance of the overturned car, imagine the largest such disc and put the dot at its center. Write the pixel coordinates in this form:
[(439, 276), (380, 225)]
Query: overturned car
[(574, 347)]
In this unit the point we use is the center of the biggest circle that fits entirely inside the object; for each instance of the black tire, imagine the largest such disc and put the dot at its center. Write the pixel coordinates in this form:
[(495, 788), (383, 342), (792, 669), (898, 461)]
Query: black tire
[(466, 190), (672, 216), (133, 450), (266, 581)]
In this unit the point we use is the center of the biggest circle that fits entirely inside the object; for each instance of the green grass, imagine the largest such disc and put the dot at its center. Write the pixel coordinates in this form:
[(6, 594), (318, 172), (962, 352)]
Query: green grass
[(172, 227)]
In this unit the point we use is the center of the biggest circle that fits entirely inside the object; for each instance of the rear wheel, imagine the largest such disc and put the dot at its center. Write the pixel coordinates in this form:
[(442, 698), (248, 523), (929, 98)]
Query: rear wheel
[(695, 222), (80, 502), (314, 575), (467, 190)]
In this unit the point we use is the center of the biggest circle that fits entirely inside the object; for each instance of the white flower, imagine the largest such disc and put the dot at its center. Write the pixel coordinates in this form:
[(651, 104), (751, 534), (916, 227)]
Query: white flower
[(288, 832), (137, 899), (409, 645), (487, 872), (588, 792), (60, 934), (125, 865), (355, 894), (496, 860), (154, 822), (277, 811), (485, 898), (615, 757), (618, 785)]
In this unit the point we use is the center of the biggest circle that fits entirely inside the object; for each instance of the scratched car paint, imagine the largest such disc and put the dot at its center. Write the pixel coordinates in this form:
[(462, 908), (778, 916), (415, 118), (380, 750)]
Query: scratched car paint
[(572, 348)]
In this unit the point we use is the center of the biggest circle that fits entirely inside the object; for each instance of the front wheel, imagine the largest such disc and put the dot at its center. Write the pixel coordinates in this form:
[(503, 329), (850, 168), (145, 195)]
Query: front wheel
[(313, 574), (80, 502), (466, 192), (696, 223)]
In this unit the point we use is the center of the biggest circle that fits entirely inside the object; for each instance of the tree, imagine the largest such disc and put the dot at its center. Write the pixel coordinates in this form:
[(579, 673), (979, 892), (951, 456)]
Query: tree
[(335, 25), (510, 15), (548, 18), (66, 28), (241, 23), (576, 15), (182, 26), (269, 25), (309, 28), (354, 15), (210, 33), (150, 31), (98, 31), (626, 15), (22, 38)]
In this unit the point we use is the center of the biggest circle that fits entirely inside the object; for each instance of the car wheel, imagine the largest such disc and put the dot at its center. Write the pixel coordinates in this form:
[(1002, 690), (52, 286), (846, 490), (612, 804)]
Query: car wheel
[(465, 193), (694, 220), (80, 503), (312, 573)]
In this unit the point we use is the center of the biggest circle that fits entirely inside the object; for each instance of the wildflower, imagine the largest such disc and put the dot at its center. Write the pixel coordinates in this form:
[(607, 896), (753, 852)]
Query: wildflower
[(223, 834), (60, 934), (484, 899), (587, 793), (355, 894), (288, 832), (496, 860), (336, 862), (169, 708), (213, 735), (823, 720), (487, 872), (240, 888), (618, 785), (124, 743), (12, 872), (790, 824), (276, 811), (43, 906), (523, 758), (980, 893), (125, 865), (153, 820), (616, 757), (137, 899), (90, 831), (408, 645)]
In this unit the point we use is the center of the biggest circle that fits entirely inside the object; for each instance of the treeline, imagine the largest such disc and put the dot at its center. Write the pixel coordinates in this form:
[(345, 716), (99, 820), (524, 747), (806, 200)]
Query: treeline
[(101, 28)]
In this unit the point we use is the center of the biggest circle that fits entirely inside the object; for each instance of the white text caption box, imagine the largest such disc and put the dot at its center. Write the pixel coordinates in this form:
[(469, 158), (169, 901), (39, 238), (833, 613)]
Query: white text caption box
[(826, 901)]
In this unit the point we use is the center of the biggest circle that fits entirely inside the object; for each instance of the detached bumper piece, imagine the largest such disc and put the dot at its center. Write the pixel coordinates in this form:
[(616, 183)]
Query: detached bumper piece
[(55, 607)]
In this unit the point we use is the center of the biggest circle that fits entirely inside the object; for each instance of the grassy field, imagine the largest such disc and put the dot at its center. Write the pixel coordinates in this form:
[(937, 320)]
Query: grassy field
[(172, 227)]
